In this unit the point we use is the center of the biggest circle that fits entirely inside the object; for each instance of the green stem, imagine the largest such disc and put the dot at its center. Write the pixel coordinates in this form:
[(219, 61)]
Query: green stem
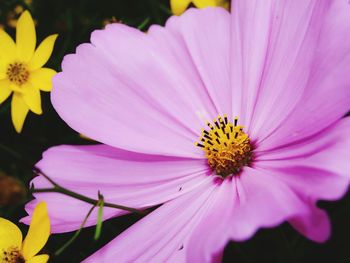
[(70, 241), (62, 190), (99, 217), (37, 171), (144, 24)]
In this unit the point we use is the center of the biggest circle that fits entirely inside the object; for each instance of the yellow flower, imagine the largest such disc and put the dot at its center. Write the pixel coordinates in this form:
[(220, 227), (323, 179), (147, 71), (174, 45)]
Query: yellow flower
[(21, 69), (12, 250), (179, 6)]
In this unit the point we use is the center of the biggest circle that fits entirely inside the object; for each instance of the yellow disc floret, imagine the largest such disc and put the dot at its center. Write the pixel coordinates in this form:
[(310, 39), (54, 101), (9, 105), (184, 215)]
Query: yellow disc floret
[(227, 147), (17, 73), (12, 255)]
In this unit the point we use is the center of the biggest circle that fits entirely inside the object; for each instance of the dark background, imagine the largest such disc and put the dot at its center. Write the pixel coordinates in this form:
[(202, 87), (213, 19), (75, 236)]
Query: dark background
[(74, 21)]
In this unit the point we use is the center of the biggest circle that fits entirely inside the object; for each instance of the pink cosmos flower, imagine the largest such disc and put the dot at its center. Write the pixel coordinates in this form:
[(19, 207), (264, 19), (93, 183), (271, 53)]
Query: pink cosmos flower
[(281, 66)]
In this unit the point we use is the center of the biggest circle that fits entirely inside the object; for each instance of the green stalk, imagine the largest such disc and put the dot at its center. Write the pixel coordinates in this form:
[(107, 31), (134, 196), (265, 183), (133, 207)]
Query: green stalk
[(70, 241), (62, 190)]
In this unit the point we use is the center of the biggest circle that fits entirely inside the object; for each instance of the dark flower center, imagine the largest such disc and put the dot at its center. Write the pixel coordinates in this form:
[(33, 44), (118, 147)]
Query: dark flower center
[(17, 73), (12, 255), (227, 147)]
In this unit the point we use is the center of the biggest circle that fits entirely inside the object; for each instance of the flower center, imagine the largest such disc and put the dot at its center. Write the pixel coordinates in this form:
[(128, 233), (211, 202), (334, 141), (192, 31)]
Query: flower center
[(17, 73), (227, 147), (12, 255)]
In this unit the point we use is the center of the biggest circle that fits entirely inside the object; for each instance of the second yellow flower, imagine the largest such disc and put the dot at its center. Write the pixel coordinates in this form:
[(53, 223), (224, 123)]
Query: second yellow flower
[(21, 69)]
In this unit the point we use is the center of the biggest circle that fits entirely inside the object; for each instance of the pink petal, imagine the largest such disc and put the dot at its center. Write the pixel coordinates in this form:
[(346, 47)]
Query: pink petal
[(123, 178), (291, 68), (314, 224), (308, 181), (163, 235), (262, 201), (210, 237), (205, 36), (317, 167), (271, 43), (310, 185), (334, 137), (143, 92), (251, 201), (325, 95)]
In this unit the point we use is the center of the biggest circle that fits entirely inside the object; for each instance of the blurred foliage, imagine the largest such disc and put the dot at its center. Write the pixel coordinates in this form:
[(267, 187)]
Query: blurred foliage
[(74, 21)]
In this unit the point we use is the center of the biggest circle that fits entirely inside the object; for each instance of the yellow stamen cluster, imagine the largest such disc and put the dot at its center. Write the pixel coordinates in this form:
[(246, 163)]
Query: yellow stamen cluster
[(17, 73), (13, 255), (227, 147)]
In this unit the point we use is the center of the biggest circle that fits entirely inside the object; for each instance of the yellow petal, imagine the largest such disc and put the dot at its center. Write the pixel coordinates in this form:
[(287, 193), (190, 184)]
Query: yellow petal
[(43, 53), (19, 111), (38, 233), (31, 97), (38, 259), (205, 3), (42, 78), (10, 235), (7, 47), (2, 70), (179, 6), (25, 37), (5, 90)]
